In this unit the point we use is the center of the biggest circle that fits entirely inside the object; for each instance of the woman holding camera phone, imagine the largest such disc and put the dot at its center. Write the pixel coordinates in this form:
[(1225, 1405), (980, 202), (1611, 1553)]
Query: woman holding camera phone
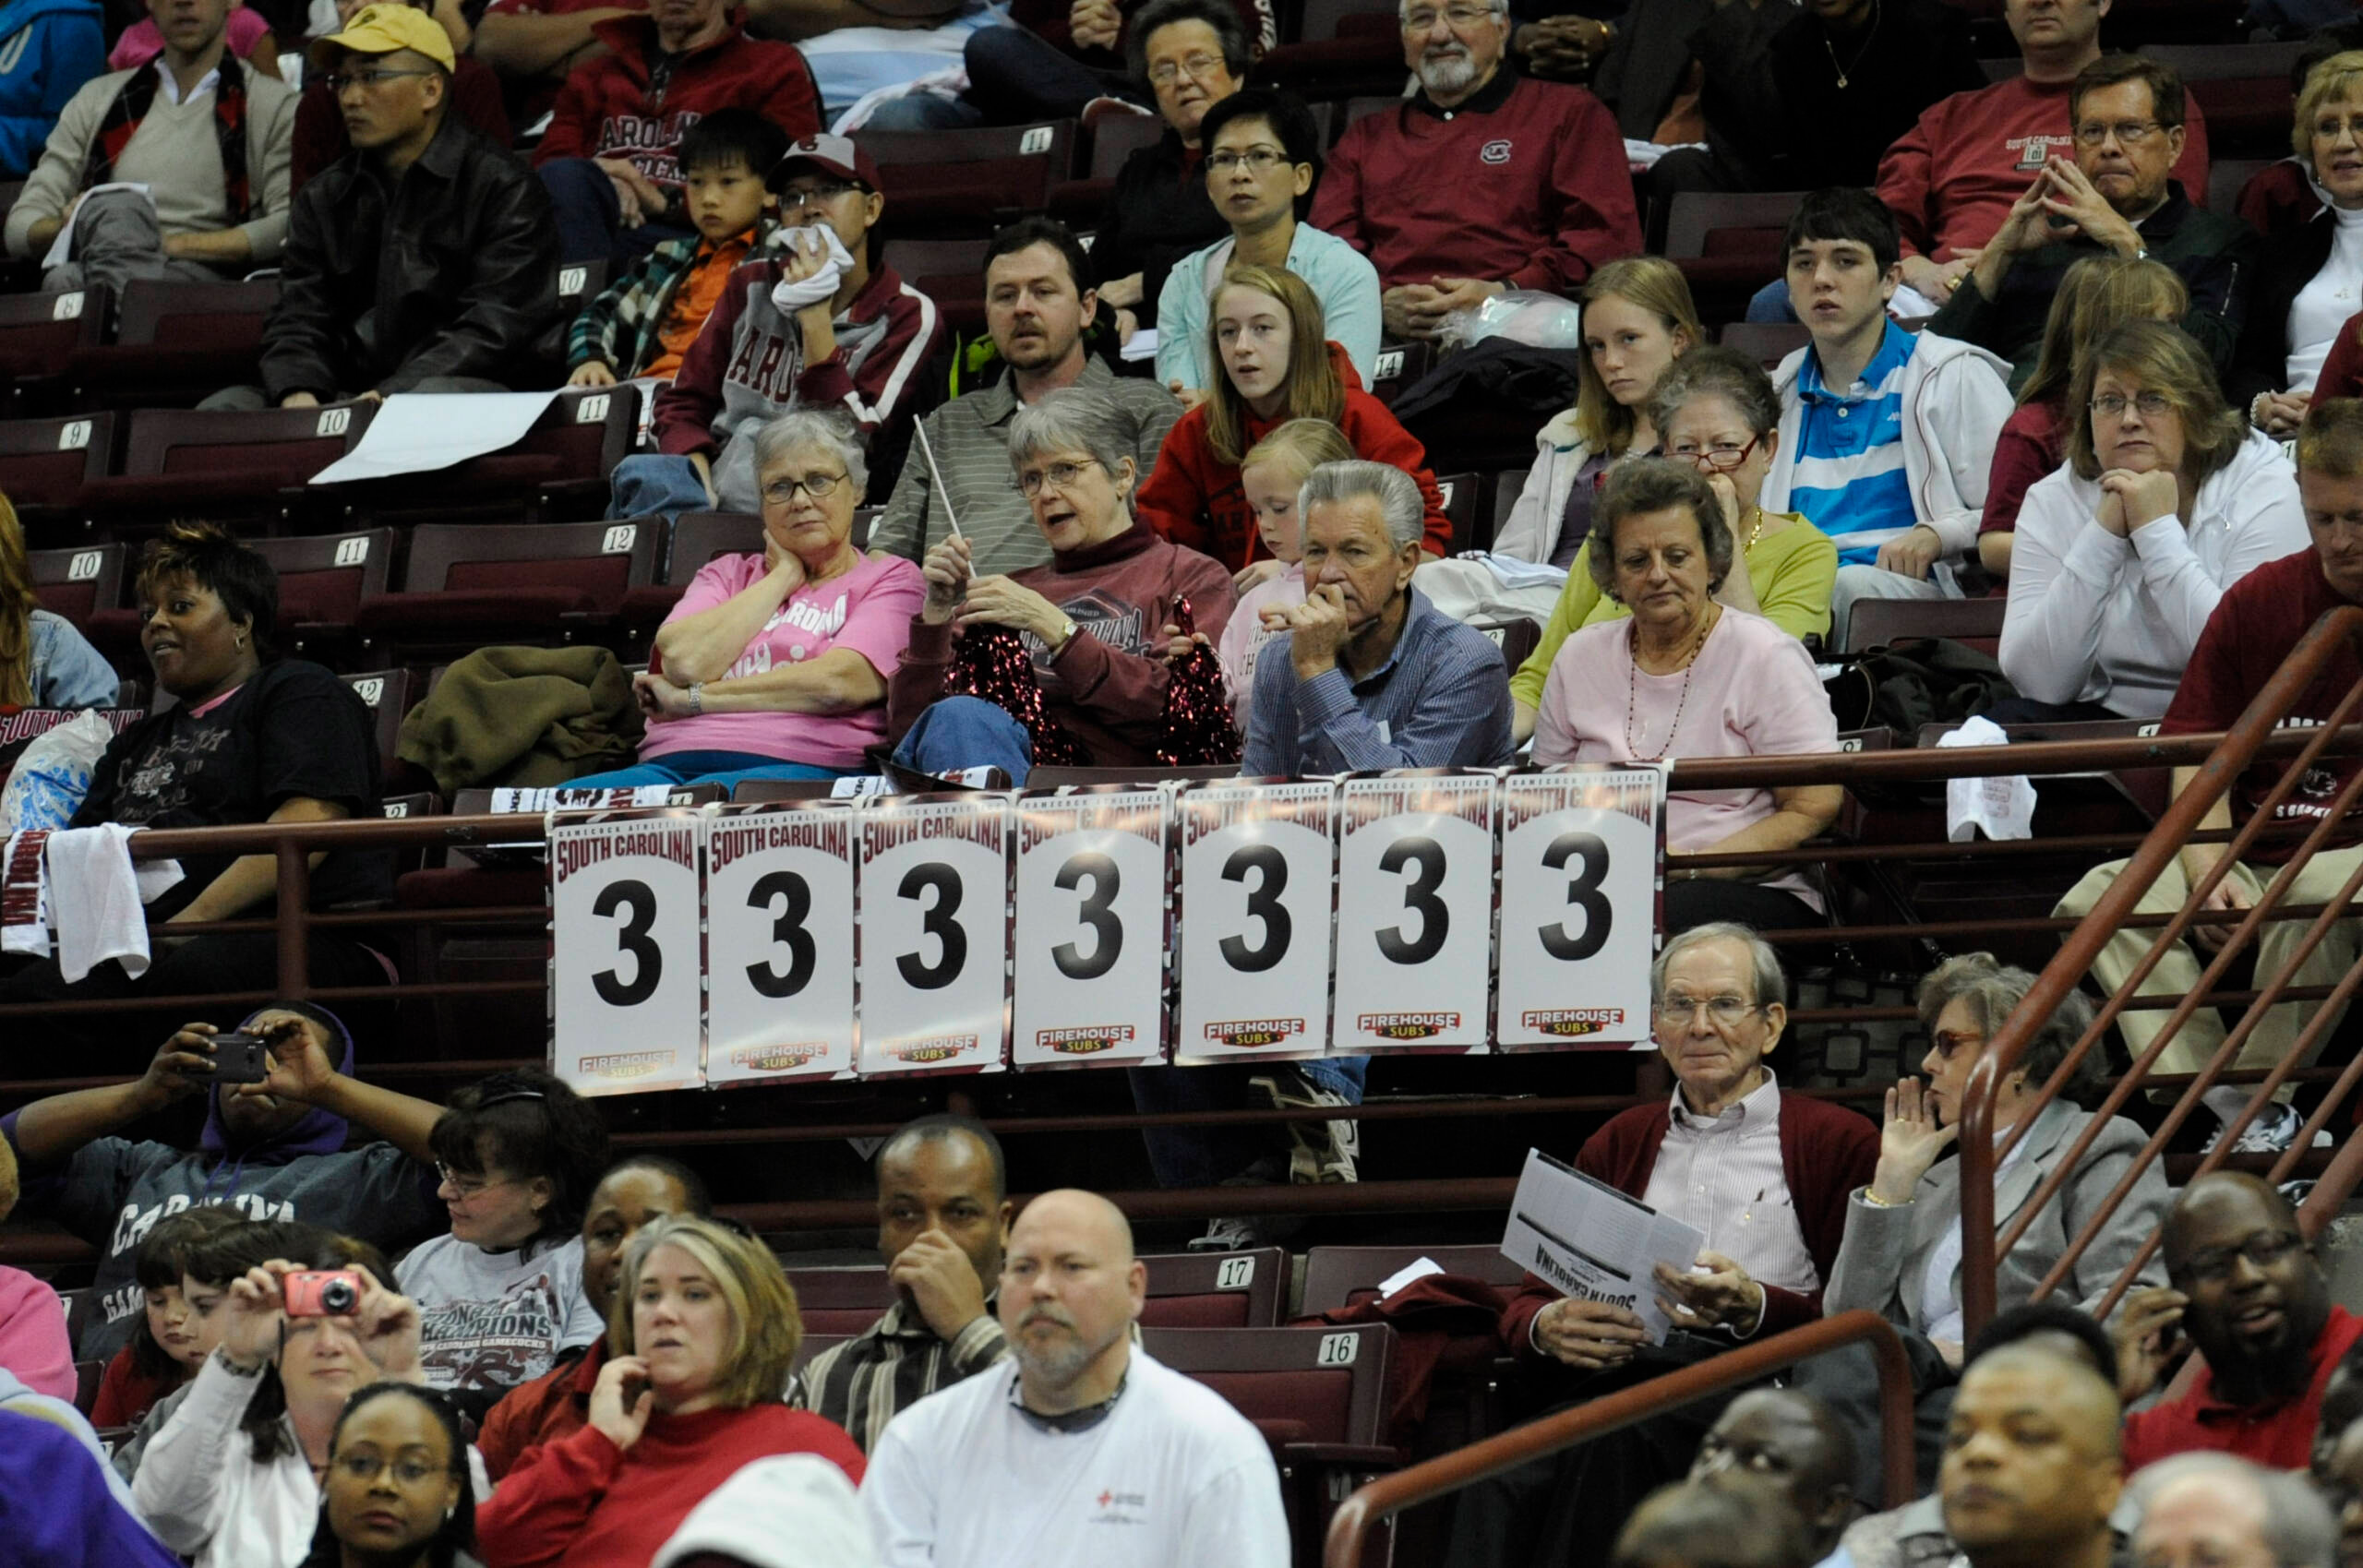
[(232, 1478)]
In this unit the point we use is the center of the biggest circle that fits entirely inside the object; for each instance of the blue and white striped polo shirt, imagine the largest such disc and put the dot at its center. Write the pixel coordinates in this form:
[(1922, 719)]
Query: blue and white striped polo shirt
[(1850, 478)]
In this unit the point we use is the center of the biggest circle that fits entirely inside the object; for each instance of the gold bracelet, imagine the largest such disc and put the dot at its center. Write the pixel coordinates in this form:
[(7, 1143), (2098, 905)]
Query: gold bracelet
[(1876, 1201)]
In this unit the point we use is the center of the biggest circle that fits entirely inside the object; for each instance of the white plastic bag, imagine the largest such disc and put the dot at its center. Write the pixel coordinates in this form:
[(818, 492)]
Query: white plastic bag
[(53, 775), (1526, 315)]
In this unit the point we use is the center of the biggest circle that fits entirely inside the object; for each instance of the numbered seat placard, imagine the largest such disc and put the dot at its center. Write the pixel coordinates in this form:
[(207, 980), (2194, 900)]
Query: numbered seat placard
[(1090, 930), (625, 997), (1581, 848), (933, 929), (1256, 920), (779, 944), (1415, 913)]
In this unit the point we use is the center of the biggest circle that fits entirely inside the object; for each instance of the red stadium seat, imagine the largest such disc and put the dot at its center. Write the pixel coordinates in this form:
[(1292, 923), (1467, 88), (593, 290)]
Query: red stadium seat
[(387, 695), (1338, 1277), (1459, 494), (970, 181), (1114, 137), (1876, 622), (1343, 48), (1728, 246), (697, 538), (949, 272), (1247, 1289), (2243, 91), (1517, 639), (469, 584), (78, 583), (1399, 366), (39, 333), (1767, 342), (556, 471), (176, 343), (841, 1301), (322, 580), (231, 467), (45, 463)]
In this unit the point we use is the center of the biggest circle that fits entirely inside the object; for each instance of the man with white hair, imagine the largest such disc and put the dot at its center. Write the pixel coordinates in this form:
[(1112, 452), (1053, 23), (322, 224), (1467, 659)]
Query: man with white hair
[(1082, 1448), (1484, 181), (2208, 1510), (1366, 673)]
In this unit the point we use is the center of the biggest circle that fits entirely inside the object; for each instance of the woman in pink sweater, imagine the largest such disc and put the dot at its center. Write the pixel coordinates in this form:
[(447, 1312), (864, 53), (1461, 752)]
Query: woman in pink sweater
[(32, 1320)]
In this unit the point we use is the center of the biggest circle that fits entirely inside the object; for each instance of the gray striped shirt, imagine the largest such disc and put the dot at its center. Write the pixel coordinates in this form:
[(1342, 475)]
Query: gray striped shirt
[(894, 1363)]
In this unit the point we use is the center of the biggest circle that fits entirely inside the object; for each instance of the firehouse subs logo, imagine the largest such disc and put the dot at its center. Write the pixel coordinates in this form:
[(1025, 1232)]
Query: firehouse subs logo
[(775, 1058), (1240, 1034), (1494, 152), (1570, 1022), (1407, 1025), (933, 1048), (626, 1065), (1085, 1041)]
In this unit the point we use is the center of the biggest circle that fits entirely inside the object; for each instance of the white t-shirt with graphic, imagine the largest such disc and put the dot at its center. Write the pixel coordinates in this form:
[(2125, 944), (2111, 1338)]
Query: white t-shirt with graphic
[(495, 1319)]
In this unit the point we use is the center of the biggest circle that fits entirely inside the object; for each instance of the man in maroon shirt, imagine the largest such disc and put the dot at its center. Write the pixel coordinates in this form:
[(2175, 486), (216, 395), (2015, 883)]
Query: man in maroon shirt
[(2248, 1288)]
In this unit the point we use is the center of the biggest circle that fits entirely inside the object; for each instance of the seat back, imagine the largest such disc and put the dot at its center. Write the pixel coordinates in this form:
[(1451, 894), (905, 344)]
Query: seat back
[(1767, 342), (78, 582), (1314, 1385), (1876, 622), (700, 537), (222, 318), (1399, 366), (580, 282), (1717, 222), (1508, 485), (322, 579), (973, 173), (1336, 1278), (1117, 136), (1322, 17), (1247, 1289), (45, 463), (1458, 492), (271, 449), (388, 696), (1517, 639), (841, 1301), (38, 332), (572, 448), (2227, 177), (604, 560)]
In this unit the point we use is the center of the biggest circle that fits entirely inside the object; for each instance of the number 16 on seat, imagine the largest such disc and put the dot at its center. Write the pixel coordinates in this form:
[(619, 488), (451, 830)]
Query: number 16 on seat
[(1255, 919), (1580, 848)]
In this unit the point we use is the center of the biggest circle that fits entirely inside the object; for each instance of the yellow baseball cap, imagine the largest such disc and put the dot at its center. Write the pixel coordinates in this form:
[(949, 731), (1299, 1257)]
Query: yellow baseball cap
[(381, 30)]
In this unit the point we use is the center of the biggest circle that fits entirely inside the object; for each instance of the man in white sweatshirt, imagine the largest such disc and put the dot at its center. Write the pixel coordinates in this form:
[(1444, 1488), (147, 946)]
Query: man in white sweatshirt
[(1081, 1448), (1886, 435)]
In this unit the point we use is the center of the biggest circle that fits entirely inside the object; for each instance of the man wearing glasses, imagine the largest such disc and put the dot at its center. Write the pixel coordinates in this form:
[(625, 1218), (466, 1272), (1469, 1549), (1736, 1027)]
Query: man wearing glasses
[(1485, 180), (1762, 1174), (2248, 1290), (429, 230)]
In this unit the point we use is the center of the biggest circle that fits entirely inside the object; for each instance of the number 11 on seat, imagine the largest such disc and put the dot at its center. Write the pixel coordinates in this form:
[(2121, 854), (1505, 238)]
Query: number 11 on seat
[(1255, 921), (1580, 848), (626, 1005)]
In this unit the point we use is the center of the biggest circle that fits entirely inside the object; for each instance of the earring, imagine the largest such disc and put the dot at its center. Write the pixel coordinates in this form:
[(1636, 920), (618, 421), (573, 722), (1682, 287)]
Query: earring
[(237, 642)]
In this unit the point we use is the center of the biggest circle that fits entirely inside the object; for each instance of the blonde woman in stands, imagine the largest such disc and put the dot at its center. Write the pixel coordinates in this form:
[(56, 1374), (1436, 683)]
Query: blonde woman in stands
[(2094, 296), (2307, 287), (1638, 319), (44, 663), (1688, 673), (701, 1337), (1715, 410), (2165, 500), (1272, 473)]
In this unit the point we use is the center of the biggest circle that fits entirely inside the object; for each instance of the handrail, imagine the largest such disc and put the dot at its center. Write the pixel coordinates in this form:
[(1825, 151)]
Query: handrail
[(2253, 736), (1350, 1527)]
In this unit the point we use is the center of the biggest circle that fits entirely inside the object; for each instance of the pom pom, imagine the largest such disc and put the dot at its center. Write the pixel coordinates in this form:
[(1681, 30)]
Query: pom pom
[(1198, 728), (991, 663)]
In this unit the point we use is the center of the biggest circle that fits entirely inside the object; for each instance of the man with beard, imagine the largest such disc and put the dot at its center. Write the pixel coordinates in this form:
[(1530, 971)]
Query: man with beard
[(1085, 1450), (1038, 300), (2031, 1467), (943, 1218), (2248, 1288), (1485, 180)]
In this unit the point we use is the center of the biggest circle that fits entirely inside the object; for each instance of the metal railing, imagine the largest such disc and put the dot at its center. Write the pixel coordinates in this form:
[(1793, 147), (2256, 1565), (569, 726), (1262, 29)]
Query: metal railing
[(2254, 737), (1361, 1512)]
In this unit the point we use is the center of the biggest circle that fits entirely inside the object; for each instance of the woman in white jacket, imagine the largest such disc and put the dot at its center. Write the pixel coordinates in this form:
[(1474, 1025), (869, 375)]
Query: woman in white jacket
[(2167, 499), (230, 1479), (1638, 319)]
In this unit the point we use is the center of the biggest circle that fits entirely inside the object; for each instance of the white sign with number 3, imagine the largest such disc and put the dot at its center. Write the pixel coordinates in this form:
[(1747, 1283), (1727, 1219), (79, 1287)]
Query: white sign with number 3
[(779, 944), (1415, 913), (1580, 846), (625, 999), (1090, 930), (934, 934), (1255, 904)]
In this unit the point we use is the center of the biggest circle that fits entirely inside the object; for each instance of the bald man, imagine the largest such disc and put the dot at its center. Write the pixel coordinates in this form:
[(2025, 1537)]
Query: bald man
[(1081, 1448), (2030, 1469), (2247, 1287), (1792, 1442), (2219, 1511)]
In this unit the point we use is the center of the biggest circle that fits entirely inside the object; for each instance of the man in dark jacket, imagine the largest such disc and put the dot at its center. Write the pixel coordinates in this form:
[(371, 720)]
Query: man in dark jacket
[(425, 260)]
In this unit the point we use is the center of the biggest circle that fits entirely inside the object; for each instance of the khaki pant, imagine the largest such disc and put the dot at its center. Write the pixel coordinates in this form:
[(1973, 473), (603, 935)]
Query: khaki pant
[(2178, 970)]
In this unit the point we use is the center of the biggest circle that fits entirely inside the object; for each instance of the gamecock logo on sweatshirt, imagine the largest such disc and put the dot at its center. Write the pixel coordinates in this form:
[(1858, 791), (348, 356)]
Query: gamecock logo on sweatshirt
[(1494, 152)]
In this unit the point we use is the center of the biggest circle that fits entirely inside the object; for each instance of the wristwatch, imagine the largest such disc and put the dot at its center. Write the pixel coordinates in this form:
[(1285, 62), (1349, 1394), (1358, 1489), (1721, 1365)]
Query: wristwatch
[(697, 697), (1067, 631)]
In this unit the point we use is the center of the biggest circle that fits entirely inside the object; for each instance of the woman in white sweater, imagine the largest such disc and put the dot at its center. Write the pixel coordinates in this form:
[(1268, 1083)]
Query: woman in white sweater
[(2167, 499)]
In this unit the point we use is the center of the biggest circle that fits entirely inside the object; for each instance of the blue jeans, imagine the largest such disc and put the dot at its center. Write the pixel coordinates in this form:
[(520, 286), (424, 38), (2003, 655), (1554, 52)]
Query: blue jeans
[(653, 483), (589, 218), (1771, 304), (924, 111), (724, 768), (967, 732), (1203, 1156)]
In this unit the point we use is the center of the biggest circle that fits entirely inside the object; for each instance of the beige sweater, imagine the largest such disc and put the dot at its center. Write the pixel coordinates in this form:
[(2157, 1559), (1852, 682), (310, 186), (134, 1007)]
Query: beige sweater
[(174, 153)]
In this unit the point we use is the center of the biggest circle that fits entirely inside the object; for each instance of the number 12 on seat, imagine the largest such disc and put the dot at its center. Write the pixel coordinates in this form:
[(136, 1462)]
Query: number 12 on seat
[(933, 930), (626, 1005), (1090, 930), (1255, 926), (1580, 848), (1415, 913)]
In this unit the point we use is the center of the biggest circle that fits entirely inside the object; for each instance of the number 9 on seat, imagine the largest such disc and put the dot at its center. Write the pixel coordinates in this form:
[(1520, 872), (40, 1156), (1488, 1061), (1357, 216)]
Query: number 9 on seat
[(1580, 848)]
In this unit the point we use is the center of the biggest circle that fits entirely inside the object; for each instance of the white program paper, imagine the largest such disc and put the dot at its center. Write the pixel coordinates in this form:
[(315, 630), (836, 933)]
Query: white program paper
[(1591, 1242), (420, 432)]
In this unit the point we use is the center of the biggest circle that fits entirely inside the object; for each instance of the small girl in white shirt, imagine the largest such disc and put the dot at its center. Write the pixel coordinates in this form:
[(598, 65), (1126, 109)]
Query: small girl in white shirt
[(1272, 473)]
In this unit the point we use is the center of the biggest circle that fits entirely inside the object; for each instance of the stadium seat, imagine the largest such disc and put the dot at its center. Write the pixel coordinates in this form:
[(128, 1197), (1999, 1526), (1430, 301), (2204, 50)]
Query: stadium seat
[(697, 538), (388, 696), (555, 472), (2243, 91), (1343, 49), (468, 584), (1399, 366), (841, 1301), (1508, 485), (39, 334), (45, 463), (970, 181), (80, 582), (1114, 137), (1517, 639), (579, 283), (949, 272), (1458, 492), (322, 580), (1877, 622), (1727, 244), (811, 1345), (87, 1377), (1247, 1289), (240, 468), (1767, 342), (174, 344), (2225, 178), (1338, 1277)]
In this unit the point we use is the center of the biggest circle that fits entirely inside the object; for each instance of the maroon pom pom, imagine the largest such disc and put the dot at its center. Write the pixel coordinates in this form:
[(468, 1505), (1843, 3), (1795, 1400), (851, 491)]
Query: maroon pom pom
[(1198, 728), (992, 663)]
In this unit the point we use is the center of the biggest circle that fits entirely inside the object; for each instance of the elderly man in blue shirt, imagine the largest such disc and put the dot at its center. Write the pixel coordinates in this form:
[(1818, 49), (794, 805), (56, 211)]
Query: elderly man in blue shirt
[(1366, 673)]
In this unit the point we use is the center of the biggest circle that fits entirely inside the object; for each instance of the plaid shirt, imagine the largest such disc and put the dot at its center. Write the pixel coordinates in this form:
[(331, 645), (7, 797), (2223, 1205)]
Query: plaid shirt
[(619, 328), (894, 1363)]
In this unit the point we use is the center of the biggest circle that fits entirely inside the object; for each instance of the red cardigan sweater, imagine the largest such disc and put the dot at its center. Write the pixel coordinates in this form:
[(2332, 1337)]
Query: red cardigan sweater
[(1827, 1151)]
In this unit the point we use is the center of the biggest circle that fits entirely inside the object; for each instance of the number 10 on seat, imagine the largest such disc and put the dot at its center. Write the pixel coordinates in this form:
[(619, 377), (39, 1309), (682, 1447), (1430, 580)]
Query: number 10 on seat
[(1581, 848)]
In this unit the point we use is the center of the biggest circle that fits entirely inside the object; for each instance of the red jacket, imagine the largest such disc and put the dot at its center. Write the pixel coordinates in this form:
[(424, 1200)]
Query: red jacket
[(2342, 373), (1195, 499), (1827, 1151), (126, 1393), (2278, 1435), (604, 110), (583, 1503), (554, 1406), (1526, 183)]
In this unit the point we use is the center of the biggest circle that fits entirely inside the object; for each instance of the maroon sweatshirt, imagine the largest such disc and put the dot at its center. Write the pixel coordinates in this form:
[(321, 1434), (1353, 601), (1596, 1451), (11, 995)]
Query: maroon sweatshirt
[(1105, 688)]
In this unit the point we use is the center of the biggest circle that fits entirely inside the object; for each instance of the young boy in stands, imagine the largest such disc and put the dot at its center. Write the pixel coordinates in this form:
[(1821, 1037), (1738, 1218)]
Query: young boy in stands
[(1886, 435), (646, 319)]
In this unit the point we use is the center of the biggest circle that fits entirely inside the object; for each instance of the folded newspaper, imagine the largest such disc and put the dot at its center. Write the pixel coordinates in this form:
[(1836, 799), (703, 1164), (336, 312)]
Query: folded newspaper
[(1592, 1242)]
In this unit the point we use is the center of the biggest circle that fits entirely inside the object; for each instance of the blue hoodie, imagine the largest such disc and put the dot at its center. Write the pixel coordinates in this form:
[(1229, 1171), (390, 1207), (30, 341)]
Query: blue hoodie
[(112, 1191), (48, 49)]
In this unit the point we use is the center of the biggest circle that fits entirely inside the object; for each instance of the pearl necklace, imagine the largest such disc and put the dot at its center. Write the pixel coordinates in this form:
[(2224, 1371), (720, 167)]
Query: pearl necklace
[(1689, 667)]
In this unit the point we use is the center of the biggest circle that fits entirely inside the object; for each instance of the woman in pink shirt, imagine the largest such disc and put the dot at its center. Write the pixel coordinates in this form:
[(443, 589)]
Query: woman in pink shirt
[(774, 666), (1686, 675)]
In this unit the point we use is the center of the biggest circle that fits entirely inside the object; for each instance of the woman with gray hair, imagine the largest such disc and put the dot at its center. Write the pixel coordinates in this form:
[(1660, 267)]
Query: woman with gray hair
[(1689, 674), (774, 664), (1098, 620), (1902, 1255)]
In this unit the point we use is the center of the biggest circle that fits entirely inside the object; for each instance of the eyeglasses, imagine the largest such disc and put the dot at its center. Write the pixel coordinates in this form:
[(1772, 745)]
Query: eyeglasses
[(796, 197), (1198, 67), (1259, 160), (2264, 1248), (780, 492), (1722, 455), (1455, 17), (363, 1469), (1059, 476), (1722, 1011), (1948, 1041), (369, 77), (2128, 133), (2112, 405), (469, 1186), (2327, 128)]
